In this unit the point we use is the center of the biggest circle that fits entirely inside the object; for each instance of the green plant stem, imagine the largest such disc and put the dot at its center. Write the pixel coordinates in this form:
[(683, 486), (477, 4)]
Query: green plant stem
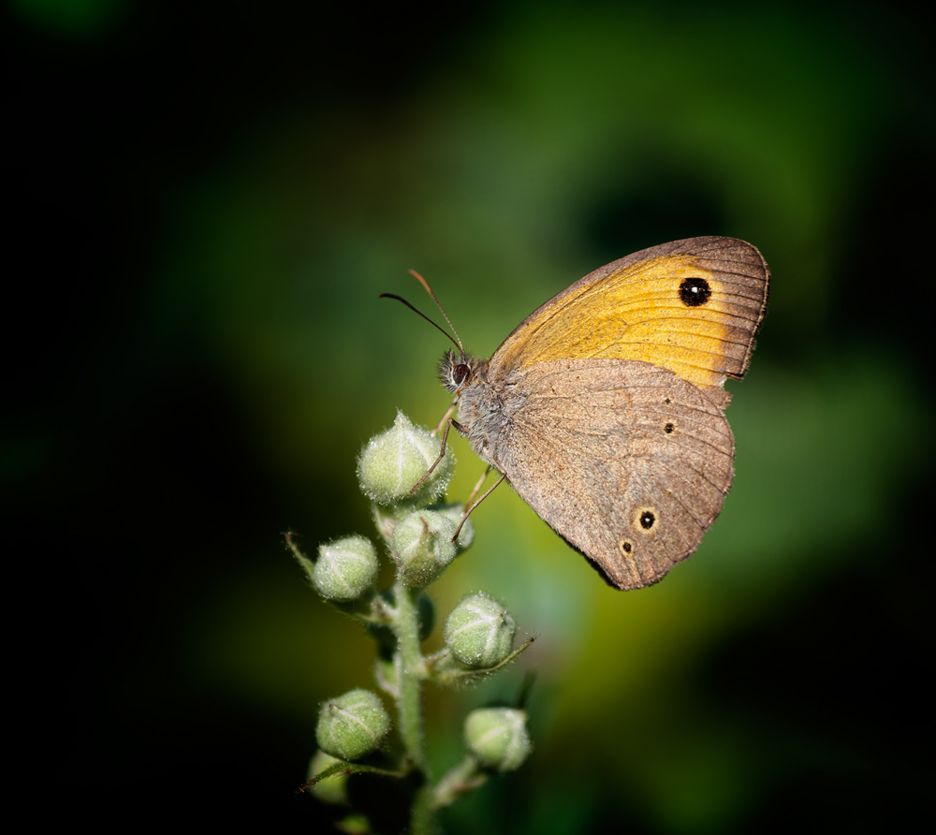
[(463, 778), (423, 813), (411, 670)]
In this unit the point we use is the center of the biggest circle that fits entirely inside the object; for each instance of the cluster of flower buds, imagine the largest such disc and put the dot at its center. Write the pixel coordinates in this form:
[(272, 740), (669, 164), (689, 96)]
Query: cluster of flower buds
[(405, 473)]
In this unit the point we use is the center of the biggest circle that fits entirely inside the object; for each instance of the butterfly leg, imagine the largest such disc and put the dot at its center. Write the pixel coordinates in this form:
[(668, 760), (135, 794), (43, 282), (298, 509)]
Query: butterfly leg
[(443, 422), (474, 490), (447, 422), (472, 505)]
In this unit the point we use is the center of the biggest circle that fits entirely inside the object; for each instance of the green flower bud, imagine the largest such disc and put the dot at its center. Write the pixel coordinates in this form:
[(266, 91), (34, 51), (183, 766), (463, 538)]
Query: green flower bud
[(423, 546), (497, 737), (332, 789), (345, 569), (479, 631), (395, 460), (352, 725), (456, 512)]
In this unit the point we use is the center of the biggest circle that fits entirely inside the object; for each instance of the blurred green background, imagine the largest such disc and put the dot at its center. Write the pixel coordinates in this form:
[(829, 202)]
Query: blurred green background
[(207, 199)]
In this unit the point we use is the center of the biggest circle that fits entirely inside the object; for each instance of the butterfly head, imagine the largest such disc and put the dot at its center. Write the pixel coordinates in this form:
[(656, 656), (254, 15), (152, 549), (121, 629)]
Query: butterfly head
[(455, 371)]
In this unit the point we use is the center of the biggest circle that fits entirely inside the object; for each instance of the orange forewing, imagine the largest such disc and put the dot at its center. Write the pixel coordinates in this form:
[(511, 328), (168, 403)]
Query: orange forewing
[(630, 310)]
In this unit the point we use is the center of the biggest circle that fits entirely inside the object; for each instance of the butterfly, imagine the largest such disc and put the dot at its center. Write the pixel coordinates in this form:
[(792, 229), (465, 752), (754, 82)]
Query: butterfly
[(605, 407)]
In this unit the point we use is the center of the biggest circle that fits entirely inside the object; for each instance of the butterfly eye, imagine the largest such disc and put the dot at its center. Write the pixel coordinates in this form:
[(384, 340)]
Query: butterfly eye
[(460, 373)]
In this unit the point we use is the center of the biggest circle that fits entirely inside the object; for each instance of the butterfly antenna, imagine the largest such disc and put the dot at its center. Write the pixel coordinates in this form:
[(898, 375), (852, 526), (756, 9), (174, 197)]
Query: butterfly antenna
[(432, 295), (434, 324), (456, 341)]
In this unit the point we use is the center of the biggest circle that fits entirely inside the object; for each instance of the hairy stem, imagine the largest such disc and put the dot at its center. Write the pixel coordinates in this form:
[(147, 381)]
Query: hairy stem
[(411, 670)]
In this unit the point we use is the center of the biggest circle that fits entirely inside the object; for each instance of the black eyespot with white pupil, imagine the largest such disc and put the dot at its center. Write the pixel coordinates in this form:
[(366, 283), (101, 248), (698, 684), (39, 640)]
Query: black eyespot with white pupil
[(647, 520), (694, 292)]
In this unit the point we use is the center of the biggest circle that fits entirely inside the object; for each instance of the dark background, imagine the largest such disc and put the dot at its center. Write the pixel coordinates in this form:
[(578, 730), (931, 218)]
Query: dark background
[(204, 201)]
